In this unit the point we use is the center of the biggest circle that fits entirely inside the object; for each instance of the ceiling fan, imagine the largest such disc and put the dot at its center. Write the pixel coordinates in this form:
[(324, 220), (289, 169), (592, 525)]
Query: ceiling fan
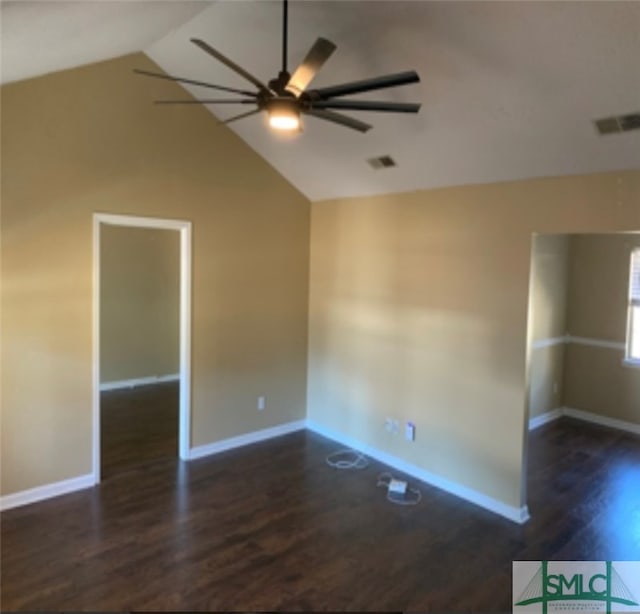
[(286, 97)]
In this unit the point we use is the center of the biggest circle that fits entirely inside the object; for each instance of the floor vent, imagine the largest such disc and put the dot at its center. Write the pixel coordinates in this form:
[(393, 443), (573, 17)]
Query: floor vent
[(620, 123), (381, 162)]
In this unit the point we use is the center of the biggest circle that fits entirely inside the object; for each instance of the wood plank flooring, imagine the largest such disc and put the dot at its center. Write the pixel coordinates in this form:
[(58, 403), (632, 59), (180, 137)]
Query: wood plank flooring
[(138, 426), (271, 527)]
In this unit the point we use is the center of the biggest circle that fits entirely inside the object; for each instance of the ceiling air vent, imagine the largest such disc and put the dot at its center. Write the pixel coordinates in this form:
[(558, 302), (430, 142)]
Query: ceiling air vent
[(620, 123), (381, 162), (629, 122)]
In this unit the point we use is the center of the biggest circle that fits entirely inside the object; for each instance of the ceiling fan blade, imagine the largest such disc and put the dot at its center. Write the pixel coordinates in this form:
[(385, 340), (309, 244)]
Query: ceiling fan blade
[(338, 118), (241, 116), (319, 53), (366, 85), (222, 88), (367, 105), (208, 101), (229, 63)]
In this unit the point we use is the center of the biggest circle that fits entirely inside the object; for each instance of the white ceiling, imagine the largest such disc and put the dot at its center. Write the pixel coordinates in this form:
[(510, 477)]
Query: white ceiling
[(50, 35), (508, 91)]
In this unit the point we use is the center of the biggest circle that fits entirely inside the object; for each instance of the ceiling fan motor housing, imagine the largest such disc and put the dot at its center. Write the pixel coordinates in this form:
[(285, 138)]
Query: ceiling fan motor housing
[(279, 84)]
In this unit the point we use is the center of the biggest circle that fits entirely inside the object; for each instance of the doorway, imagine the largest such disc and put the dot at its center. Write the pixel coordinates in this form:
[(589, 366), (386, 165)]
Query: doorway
[(581, 370), (102, 224)]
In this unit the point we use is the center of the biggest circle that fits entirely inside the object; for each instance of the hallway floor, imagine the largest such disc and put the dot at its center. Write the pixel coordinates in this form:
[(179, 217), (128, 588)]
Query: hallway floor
[(138, 426)]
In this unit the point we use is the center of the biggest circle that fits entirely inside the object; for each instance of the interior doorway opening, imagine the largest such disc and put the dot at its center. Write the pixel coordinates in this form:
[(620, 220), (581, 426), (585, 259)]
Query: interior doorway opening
[(580, 362), (117, 374)]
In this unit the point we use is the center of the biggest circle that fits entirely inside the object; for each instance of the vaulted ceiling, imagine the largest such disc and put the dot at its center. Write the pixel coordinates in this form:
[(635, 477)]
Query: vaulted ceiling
[(509, 90)]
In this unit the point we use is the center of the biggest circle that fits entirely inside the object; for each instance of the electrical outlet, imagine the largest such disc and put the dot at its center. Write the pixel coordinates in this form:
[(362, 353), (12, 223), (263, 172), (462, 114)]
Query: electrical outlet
[(262, 403), (395, 427), (410, 431), (388, 425)]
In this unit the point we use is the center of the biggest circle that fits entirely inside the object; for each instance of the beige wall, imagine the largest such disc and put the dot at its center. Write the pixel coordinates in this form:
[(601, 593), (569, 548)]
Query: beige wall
[(546, 379), (549, 278), (90, 140), (418, 310), (595, 378), (599, 285), (139, 302), (547, 310), (418, 301)]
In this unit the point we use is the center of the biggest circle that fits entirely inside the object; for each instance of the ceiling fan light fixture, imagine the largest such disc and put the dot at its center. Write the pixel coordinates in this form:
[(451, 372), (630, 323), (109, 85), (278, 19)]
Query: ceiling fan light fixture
[(286, 98), (284, 115)]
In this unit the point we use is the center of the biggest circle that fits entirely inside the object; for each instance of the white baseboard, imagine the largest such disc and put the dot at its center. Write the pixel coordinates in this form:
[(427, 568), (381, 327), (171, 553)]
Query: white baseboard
[(246, 439), (613, 423), (24, 497), (549, 416), (139, 381), (86, 481), (518, 515), (587, 416), (515, 514)]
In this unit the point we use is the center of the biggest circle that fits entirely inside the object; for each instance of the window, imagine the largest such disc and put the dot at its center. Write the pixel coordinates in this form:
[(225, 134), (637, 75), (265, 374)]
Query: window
[(633, 334)]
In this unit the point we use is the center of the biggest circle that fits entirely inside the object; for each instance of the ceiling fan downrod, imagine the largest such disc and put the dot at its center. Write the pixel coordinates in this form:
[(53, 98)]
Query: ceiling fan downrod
[(278, 85), (285, 18)]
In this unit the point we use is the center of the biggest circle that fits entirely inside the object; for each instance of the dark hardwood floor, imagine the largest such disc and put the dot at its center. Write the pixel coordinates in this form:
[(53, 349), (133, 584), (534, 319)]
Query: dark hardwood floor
[(138, 426), (272, 527)]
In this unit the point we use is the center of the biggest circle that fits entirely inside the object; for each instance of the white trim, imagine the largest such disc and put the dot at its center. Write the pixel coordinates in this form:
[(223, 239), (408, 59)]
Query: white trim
[(87, 481), (139, 381), (24, 497), (586, 416), (599, 343), (184, 228), (135, 221), (246, 439), (551, 341), (613, 423), (515, 514), (549, 416), (629, 359), (95, 342), (184, 443), (589, 341)]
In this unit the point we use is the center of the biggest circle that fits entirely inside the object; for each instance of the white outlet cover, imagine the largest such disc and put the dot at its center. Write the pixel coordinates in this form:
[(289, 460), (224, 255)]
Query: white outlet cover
[(410, 431)]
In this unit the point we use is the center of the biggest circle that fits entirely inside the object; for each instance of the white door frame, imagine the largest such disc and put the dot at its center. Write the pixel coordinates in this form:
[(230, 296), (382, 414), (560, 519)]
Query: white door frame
[(185, 324)]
